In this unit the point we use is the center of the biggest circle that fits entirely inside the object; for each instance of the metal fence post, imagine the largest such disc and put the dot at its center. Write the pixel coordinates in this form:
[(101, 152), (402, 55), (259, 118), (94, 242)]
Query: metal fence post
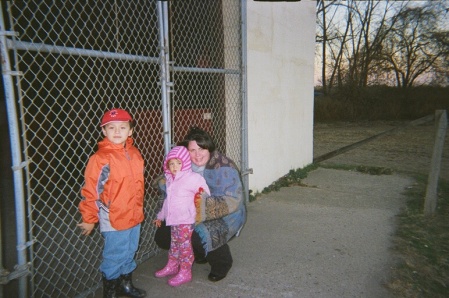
[(17, 164)]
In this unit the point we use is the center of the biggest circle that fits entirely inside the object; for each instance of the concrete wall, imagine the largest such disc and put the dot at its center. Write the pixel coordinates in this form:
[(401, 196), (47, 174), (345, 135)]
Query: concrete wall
[(280, 73)]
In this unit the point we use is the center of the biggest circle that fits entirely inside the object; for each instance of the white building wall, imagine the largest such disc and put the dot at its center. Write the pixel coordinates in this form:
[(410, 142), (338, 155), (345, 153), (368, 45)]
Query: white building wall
[(280, 73)]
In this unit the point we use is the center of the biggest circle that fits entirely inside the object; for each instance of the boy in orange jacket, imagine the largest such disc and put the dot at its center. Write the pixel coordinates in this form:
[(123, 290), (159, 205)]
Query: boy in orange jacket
[(113, 195)]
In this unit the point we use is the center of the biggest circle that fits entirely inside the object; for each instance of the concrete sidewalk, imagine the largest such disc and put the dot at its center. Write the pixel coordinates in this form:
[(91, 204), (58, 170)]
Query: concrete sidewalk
[(330, 238)]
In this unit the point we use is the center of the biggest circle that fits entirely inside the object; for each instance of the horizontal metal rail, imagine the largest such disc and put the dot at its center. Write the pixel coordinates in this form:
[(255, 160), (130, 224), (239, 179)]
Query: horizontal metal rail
[(203, 70), (43, 48)]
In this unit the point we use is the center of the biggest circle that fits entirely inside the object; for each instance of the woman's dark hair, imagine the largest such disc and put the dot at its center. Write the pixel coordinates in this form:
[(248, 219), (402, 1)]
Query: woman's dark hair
[(201, 137)]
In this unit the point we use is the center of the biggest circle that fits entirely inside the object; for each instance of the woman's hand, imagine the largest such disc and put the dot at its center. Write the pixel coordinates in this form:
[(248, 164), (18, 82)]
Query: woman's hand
[(86, 228), (157, 222), (197, 197)]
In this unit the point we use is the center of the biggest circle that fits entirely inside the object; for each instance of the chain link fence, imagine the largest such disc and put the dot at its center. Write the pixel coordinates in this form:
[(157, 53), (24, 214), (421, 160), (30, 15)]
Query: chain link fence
[(72, 61)]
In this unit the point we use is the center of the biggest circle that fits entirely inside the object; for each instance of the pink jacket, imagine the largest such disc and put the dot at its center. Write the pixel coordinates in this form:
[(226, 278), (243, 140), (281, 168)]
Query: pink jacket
[(179, 206)]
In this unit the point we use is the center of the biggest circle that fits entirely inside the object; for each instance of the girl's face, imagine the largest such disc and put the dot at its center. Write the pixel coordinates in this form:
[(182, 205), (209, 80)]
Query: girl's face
[(198, 155), (174, 165), (117, 132)]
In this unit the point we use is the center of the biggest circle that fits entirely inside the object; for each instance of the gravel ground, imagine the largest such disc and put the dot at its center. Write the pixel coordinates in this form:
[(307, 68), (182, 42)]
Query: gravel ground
[(329, 237)]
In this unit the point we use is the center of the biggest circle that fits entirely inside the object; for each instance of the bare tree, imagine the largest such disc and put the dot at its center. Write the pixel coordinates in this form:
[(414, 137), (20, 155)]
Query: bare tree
[(323, 37), (337, 54), (369, 27), (351, 34), (415, 46), (441, 70)]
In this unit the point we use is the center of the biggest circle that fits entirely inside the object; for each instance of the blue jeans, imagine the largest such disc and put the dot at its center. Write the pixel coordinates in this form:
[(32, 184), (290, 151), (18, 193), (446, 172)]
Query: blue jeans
[(118, 253)]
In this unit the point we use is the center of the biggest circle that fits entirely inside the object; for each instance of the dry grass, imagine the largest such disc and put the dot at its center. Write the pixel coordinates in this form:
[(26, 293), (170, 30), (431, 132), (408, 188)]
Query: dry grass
[(422, 246)]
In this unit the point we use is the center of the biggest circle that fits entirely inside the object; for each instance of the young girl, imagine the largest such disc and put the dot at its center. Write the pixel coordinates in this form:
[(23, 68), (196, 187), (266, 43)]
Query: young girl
[(178, 211)]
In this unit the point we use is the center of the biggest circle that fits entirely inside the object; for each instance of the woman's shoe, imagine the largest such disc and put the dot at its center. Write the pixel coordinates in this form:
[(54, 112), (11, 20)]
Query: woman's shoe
[(214, 277), (171, 268), (183, 276)]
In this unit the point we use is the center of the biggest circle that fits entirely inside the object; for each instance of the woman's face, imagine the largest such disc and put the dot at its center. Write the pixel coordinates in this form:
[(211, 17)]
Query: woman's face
[(198, 155)]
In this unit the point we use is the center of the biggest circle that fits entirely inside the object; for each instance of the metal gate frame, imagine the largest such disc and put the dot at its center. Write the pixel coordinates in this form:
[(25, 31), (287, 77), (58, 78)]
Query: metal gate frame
[(234, 144)]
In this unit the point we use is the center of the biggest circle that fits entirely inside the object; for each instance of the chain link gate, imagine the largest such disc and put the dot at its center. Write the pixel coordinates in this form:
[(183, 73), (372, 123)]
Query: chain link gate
[(172, 64)]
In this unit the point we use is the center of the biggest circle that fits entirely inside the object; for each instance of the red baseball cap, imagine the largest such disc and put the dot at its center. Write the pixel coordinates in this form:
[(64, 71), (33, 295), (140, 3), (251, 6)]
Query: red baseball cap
[(115, 115)]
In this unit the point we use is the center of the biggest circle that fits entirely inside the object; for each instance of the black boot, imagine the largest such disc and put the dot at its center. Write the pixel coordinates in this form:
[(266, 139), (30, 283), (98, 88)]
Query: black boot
[(127, 289), (110, 287)]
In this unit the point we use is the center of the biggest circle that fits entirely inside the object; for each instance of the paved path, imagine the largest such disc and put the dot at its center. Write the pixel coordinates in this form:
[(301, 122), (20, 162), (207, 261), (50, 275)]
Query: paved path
[(328, 239)]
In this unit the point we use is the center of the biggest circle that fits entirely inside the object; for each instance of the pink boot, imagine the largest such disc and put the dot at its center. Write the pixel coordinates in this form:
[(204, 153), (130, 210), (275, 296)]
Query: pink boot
[(183, 276), (169, 269)]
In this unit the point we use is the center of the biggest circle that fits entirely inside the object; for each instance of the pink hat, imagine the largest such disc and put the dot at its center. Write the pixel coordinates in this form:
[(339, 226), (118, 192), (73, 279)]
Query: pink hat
[(115, 115), (181, 153)]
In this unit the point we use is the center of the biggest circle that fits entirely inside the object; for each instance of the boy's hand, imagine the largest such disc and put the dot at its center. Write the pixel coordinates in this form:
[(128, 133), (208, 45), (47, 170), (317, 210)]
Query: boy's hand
[(157, 222), (86, 228)]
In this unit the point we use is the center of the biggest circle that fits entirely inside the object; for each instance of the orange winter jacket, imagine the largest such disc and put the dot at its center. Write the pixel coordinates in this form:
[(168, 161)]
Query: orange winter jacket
[(113, 191)]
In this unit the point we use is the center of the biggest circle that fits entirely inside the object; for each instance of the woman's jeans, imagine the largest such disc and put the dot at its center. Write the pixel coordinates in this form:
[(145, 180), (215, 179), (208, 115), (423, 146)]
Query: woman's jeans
[(119, 250)]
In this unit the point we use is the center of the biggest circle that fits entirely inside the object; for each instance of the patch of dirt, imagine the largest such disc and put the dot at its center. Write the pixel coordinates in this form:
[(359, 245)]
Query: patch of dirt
[(409, 149)]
